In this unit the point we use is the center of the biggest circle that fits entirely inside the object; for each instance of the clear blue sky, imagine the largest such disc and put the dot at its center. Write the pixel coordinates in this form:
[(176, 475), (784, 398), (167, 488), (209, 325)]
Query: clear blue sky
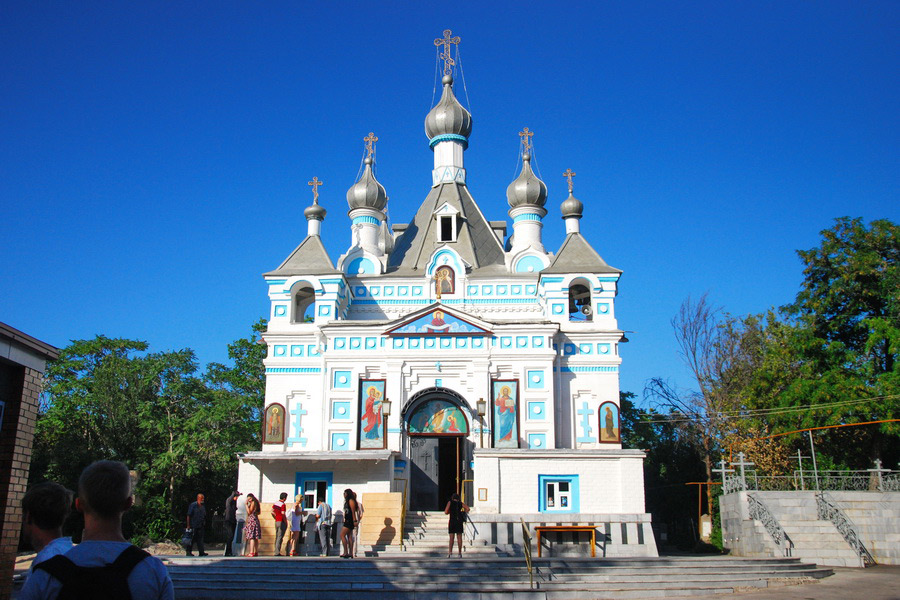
[(154, 155)]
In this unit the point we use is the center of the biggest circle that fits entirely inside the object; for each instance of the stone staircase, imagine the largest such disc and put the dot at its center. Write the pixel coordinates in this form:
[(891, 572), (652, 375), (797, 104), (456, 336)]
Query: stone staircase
[(876, 516), (415, 578), (425, 534)]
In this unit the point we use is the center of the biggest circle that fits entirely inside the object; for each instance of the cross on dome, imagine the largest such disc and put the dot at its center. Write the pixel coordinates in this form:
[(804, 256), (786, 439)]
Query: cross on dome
[(315, 183), (569, 174), (445, 53), (370, 144), (526, 135)]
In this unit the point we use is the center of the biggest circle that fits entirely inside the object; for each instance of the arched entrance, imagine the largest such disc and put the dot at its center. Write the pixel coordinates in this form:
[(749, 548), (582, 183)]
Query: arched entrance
[(437, 425)]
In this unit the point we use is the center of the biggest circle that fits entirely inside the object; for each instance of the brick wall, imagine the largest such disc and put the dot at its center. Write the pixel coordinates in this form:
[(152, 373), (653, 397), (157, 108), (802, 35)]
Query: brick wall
[(20, 388)]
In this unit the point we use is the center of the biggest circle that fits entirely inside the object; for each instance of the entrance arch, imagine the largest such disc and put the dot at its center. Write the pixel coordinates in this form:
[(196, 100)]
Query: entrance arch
[(437, 423)]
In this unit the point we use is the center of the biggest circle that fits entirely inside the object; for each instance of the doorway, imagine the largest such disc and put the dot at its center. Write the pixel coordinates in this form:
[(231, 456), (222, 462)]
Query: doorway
[(436, 470)]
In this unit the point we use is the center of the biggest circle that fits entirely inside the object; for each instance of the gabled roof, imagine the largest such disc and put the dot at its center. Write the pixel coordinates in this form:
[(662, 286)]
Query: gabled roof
[(476, 243), (577, 256), (309, 258), (449, 322)]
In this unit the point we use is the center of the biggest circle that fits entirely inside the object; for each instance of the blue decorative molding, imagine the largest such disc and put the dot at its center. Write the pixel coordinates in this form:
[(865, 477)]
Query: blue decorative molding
[(311, 350), (558, 309), (537, 341), (375, 290), (446, 342), (585, 413), (526, 217), (371, 343), (297, 438), (568, 349), (324, 311), (537, 411), (332, 282), (478, 342), (472, 290), (589, 370), (366, 219), (340, 441), (603, 348), (538, 441), (501, 290), (516, 290), (462, 342), (280, 310), (340, 410), (535, 380), (340, 343), (585, 348), (403, 290), (343, 380), (552, 279), (355, 343), (487, 290), (361, 265), (608, 279), (531, 290), (359, 291), (417, 290), (276, 370), (296, 350), (414, 343), (529, 264), (277, 281), (449, 137), (388, 290), (279, 350), (603, 308), (506, 342)]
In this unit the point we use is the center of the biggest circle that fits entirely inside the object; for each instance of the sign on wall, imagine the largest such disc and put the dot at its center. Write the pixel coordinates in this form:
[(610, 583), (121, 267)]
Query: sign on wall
[(505, 413), (371, 420)]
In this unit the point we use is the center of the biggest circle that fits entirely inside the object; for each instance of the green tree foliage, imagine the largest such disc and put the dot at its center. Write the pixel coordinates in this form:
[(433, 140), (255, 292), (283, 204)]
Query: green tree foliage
[(111, 399)]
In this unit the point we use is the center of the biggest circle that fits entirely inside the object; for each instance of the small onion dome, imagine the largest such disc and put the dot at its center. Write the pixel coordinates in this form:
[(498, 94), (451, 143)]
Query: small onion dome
[(526, 189), (571, 207), (314, 212), (367, 192), (448, 117)]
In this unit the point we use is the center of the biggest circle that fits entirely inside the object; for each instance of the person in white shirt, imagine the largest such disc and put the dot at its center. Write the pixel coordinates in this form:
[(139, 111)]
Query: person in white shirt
[(44, 510), (296, 513)]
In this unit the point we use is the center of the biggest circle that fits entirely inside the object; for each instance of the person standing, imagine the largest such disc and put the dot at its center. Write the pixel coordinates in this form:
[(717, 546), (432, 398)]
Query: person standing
[(278, 513), (297, 520), (44, 510), (239, 547), (457, 511), (252, 529), (323, 526), (230, 521), (351, 517), (196, 521), (360, 512)]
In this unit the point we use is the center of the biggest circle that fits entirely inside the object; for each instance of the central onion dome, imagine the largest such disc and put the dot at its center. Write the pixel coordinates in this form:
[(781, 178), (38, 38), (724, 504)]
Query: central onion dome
[(314, 211), (448, 117), (367, 192), (527, 189), (571, 207)]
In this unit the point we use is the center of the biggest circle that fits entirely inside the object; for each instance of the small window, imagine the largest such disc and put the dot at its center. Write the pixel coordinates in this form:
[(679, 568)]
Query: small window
[(304, 304), (558, 493), (313, 491), (446, 231)]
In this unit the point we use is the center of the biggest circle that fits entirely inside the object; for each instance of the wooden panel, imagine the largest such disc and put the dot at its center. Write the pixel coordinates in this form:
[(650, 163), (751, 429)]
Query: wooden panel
[(381, 521)]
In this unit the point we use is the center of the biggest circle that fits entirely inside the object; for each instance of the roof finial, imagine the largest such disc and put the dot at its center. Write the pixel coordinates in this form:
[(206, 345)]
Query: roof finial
[(569, 174), (315, 183), (445, 54), (526, 140), (370, 144)]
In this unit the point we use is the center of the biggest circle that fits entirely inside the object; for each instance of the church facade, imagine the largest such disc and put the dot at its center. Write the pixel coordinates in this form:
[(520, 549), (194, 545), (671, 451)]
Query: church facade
[(450, 355)]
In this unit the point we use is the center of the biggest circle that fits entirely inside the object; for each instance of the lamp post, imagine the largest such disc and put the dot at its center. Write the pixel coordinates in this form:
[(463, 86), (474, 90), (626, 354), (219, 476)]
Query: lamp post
[(481, 407), (385, 413)]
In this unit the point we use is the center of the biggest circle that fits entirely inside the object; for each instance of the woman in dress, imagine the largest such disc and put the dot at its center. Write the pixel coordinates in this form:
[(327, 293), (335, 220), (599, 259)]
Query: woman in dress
[(252, 530), (296, 525), (351, 518), (457, 511)]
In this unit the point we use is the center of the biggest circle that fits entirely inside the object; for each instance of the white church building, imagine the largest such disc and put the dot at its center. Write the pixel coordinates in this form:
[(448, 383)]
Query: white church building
[(450, 355)]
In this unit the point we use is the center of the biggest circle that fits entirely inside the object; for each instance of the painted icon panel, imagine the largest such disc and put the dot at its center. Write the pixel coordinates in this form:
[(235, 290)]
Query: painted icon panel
[(371, 419), (505, 413), (438, 416), (609, 423), (273, 424)]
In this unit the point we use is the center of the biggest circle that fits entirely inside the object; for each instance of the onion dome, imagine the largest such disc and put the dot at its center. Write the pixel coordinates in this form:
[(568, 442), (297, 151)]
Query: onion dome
[(526, 189), (314, 211), (367, 192), (448, 117), (571, 207)]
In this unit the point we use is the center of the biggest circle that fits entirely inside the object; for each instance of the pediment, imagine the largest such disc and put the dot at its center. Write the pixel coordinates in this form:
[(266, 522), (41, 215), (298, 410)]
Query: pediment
[(438, 319)]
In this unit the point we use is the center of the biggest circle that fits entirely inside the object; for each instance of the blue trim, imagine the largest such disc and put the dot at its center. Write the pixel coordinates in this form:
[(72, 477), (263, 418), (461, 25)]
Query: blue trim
[(331, 281), (526, 217), (272, 370), (277, 281), (336, 407), (340, 442), (449, 137), (537, 441), (303, 477), (365, 219), (589, 370), (574, 493)]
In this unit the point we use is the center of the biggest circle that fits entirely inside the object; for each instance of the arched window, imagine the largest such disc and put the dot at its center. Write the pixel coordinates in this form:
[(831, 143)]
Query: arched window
[(580, 307), (303, 303), (445, 279)]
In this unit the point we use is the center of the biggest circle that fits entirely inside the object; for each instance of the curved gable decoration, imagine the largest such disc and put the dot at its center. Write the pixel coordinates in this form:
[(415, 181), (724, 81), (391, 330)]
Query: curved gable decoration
[(446, 256), (361, 266), (529, 264)]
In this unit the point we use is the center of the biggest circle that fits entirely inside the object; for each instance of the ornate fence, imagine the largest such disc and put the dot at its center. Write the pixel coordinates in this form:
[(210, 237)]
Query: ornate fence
[(829, 511), (875, 481), (761, 513)]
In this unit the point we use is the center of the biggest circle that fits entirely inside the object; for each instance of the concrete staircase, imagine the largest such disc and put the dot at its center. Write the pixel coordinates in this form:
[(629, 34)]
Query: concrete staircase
[(414, 578), (425, 534), (876, 516)]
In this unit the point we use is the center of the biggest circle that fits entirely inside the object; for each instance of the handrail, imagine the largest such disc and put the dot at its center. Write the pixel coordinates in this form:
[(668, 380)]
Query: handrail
[(829, 511), (526, 543), (761, 513), (402, 512)]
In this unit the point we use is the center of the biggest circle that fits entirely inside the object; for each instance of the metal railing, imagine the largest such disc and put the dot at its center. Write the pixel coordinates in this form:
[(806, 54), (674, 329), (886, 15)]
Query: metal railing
[(882, 481), (829, 511), (526, 545), (761, 513)]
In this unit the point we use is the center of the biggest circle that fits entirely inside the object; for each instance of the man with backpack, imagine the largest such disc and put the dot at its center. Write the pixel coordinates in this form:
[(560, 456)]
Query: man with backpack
[(104, 565)]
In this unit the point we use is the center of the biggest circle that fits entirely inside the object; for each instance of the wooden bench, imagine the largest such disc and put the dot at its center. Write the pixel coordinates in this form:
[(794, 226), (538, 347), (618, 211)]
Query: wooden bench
[(563, 528)]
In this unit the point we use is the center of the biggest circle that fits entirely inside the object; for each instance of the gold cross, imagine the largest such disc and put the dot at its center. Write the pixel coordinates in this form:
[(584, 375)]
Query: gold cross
[(526, 141), (445, 54), (370, 144), (569, 174), (315, 183)]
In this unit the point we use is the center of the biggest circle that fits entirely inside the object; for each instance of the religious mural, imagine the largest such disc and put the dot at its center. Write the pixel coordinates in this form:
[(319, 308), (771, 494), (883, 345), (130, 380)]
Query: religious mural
[(609, 423), (505, 413), (437, 322), (444, 280), (438, 416), (273, 424), (371, 421)]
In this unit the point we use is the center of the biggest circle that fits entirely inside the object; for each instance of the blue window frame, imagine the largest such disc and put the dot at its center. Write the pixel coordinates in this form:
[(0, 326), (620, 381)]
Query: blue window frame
[(312, 484), (558, 494)]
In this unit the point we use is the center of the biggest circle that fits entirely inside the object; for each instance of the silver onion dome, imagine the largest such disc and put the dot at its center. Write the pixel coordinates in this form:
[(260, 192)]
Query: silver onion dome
[(367, 192), (527, 189), (314, 211), (448, 117), (571, 207)]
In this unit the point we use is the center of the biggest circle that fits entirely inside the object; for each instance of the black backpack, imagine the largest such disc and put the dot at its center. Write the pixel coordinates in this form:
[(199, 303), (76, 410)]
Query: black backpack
[(89, 583)]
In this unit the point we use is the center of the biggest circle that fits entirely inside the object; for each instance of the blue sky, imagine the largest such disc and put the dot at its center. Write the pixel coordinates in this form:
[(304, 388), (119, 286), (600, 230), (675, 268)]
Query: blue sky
[(154, 156)]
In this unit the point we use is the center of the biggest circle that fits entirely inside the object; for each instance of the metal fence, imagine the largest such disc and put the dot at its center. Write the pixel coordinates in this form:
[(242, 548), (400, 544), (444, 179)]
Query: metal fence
[(880, 480)]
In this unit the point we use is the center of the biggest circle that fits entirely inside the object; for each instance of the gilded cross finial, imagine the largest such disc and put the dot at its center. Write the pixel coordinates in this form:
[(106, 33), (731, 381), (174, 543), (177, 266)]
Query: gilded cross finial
[(569, 174), (370, 144), (315, 183), (526, 139), (445, 53)]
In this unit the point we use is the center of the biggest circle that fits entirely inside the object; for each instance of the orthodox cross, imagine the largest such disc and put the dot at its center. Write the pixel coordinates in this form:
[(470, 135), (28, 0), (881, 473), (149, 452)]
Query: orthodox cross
[(586, 413), (526, 139), (445, 54), (315, 183), (741, 463), (370, 144), (879, 471), (569, 174), (298, 413), (723, 470)]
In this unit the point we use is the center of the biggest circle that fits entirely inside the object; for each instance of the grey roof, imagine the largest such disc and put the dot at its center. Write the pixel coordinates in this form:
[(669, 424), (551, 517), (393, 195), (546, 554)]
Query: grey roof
[(309, 258), (577, 256), (476, 243)]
